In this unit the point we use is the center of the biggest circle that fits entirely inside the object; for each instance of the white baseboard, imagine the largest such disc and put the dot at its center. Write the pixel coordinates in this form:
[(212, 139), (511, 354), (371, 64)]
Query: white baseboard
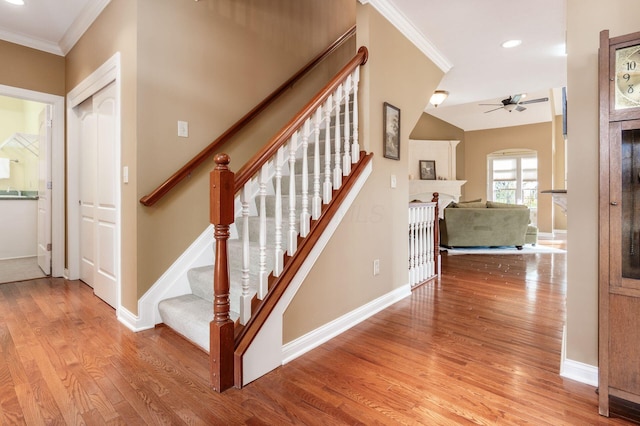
[(315, 338), (580, 372), (576, 370), (131, 321)]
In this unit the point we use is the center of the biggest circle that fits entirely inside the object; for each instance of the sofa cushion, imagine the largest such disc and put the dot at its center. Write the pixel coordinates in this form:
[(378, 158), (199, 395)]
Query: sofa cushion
[(497, 205)]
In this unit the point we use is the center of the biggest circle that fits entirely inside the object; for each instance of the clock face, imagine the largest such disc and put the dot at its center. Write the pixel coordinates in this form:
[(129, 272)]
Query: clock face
[(627, 79)]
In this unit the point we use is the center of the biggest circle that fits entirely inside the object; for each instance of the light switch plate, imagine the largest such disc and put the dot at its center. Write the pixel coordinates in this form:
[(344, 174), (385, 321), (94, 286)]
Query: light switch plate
[(183, 129)]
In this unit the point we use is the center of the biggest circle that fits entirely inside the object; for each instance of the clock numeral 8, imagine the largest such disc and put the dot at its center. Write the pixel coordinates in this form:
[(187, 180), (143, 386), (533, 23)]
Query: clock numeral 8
[(630, 89)]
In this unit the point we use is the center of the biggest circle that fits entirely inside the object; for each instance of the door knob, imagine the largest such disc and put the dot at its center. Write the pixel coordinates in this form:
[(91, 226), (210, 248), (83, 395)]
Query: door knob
[(614, 203)]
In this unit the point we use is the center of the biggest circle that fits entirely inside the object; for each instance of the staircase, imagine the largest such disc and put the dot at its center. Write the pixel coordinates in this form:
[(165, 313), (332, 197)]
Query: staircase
[(190, 314), (282, 201)]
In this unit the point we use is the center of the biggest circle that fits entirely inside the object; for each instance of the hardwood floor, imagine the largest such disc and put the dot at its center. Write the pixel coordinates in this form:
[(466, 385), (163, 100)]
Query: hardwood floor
[(482, 345)]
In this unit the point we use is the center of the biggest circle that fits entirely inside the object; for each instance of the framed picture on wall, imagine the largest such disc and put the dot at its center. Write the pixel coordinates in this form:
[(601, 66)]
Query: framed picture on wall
[(391, 131), (427, 169)]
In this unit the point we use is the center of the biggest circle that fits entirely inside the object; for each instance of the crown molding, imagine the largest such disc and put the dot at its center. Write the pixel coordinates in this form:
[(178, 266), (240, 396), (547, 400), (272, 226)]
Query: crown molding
[(81, 24), (413, 34), (32, 42)]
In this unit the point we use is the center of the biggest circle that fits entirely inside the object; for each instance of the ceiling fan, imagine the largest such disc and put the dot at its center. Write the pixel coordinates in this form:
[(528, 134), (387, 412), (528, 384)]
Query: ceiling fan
[(515, 102)]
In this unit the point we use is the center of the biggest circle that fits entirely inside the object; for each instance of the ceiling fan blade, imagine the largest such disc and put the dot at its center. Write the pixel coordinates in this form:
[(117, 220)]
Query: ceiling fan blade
[(520, 108), (495, 109), (516, 98), (500, 105), (533, 101)]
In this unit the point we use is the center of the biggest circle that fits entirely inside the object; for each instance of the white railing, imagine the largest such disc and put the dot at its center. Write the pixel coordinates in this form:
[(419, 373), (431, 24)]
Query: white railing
[(282, 211), (424, 256)]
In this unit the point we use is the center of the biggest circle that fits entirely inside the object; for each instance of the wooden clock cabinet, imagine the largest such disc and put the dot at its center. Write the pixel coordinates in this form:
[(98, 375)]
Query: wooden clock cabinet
[(619, 217)]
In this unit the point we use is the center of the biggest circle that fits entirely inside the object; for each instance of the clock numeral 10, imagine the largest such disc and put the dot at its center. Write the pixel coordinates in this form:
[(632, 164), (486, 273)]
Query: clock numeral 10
[(631, 65)]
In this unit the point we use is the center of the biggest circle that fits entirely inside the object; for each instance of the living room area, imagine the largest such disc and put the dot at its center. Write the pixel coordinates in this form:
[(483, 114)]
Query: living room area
[(490, 169)]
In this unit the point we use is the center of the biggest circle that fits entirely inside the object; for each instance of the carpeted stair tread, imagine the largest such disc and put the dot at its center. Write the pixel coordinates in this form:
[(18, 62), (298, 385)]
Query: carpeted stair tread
[(189, 315)]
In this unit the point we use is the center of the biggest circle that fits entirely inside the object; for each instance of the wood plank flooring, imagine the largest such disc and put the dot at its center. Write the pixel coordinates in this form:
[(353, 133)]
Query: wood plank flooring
[(480, 346)]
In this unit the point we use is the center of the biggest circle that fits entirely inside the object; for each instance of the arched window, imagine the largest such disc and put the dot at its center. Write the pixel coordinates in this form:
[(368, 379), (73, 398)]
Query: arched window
[(513, 178)]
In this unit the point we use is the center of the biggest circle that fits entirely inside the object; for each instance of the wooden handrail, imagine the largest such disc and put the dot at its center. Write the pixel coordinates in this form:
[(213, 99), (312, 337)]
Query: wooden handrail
[(271, 148), (187, 169)]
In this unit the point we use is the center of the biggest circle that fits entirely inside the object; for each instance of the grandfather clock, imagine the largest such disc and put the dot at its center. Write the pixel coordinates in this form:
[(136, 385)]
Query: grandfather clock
[(619, 230)]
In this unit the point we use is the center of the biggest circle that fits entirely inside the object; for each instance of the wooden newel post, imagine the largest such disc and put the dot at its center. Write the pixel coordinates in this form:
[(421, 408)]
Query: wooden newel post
[(436, 234), (221, 328)]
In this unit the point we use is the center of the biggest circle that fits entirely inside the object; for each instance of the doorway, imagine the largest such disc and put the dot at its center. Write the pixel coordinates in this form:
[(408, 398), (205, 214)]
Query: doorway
[(38, 218)]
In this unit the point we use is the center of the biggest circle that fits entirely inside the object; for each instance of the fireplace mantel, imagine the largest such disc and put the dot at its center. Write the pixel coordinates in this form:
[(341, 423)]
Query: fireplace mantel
[(443, 152)]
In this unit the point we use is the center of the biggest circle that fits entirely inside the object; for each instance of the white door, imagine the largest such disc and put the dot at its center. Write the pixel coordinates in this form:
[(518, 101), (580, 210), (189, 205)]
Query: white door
[(98, 194), (44, 191)]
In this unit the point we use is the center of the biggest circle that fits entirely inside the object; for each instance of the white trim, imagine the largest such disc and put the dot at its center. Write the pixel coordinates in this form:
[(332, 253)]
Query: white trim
[(265, 352), (580, 372), (315, 338), (411, 32), (57, 170), (81, 24), (100, 78), (127, 318), (174, 282), (32, 42), (576, 370)]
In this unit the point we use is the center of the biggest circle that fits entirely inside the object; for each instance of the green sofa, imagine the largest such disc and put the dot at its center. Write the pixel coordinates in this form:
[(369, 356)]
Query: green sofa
[(490, 224)]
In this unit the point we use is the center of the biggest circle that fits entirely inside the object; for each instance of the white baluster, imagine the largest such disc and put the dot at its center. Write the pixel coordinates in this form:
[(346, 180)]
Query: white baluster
[(292, 245), (327, 189), (432, 249), (279, 252), (420, 245), (245, 297), (316, 203), (425, 243), (263, 273), (337, 173), (355, 145), (346, 158), (412, 246), (304, 214)]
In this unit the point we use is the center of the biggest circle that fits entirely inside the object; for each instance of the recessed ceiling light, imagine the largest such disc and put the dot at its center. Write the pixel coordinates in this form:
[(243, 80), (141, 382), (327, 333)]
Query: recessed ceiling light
[(16, 2), (511, 43)]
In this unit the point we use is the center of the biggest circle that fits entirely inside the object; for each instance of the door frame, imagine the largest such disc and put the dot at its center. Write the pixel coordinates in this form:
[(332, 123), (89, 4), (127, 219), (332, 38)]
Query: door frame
[(56, 162), (105, 74)]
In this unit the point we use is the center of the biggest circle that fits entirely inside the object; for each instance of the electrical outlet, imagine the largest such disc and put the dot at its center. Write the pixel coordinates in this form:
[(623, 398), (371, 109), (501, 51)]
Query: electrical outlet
[(376, 267), (394, 181)]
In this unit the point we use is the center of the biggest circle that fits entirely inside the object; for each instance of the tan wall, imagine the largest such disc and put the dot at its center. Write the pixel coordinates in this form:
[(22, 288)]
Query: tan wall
[(209, 63), (31, 69), (585, 20), (480, 143), (376, 225), (115, 31)]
